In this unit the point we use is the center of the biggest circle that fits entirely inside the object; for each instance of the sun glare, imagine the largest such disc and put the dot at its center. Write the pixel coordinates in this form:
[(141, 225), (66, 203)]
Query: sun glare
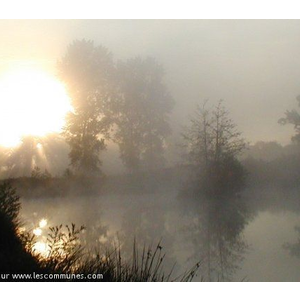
[(37, 231), (32, 102), (43, 223), (41, 248)]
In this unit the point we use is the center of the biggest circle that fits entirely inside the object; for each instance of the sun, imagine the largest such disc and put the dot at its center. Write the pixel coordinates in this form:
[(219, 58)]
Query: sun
[(32, 102)]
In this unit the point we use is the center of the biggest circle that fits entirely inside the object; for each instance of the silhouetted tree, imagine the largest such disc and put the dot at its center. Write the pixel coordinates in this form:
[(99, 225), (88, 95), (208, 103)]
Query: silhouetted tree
[(214, 144), (292, 117), (142, 113), (212, 137), (87, 71)]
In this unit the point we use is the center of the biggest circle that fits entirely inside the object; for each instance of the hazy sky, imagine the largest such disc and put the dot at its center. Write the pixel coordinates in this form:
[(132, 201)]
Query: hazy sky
[(253, 65)]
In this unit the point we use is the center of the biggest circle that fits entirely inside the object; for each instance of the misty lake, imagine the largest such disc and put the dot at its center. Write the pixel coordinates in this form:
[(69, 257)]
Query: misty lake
[(152, 217), (135, 148)]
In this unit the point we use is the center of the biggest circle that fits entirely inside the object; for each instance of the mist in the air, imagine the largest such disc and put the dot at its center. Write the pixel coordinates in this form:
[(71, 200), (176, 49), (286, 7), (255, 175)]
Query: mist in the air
[(182, 136)]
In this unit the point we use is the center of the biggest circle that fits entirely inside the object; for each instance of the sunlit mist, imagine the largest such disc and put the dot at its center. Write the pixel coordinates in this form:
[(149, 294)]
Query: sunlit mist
[(32, 102), (39, 146), (150, 150), (43, 223)]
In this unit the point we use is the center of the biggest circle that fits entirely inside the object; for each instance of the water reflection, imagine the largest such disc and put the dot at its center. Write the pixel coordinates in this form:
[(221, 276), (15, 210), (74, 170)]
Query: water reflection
[(240, 245), (216, 229)]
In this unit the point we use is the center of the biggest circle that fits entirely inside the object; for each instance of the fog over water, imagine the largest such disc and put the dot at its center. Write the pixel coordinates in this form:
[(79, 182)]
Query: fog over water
[(152, 217), (178, 132)]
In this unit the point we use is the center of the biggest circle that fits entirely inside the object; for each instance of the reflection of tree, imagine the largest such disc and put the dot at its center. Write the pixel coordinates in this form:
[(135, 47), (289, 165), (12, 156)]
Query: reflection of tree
[(217, 236), (217, 178), (145, 222)]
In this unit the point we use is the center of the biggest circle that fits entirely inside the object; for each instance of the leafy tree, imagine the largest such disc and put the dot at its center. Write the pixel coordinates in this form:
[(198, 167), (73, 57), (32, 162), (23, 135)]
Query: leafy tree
[(292, 117), (87, 71), (141, 113), (213, 144)]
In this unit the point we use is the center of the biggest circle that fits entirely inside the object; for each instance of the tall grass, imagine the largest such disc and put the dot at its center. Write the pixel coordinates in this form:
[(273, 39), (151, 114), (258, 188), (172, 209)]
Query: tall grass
[(147, 266)]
